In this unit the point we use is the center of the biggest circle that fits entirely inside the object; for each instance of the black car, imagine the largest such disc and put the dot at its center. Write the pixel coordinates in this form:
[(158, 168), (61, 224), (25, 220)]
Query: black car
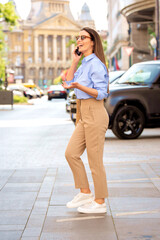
[(56, 91), (134, 100)]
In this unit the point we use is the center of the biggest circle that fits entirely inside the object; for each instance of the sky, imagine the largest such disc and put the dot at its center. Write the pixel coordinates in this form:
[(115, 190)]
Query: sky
[(98, 10)]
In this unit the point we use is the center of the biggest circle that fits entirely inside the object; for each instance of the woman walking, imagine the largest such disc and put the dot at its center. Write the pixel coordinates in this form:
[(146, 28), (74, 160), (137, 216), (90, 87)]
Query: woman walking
[(91, 84)]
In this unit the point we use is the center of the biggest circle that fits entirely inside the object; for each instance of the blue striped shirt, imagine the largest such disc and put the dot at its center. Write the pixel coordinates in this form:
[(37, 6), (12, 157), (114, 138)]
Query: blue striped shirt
[(93, 74)]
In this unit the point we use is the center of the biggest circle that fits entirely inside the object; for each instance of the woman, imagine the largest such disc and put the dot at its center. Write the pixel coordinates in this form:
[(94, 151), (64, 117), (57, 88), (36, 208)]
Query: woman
[(90, 83)]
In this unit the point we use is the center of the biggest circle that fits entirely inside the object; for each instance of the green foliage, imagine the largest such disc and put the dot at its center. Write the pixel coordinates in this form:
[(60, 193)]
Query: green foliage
[(7, 14), (151, 31), (19, 99), (58, 80)]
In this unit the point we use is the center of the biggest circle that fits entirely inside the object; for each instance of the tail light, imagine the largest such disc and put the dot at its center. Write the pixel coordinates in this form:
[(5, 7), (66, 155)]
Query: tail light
[(63, 91)]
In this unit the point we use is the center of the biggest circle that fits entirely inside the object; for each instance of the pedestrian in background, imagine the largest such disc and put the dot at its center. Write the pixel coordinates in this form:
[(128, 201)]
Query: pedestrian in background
[(91, 86)]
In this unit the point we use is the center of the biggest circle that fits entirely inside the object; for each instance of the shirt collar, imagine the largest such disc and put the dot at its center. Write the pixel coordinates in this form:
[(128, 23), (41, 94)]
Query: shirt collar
[(89, 57)]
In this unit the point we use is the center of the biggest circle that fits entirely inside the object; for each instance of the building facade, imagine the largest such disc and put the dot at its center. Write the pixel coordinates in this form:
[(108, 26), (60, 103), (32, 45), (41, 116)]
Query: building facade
[(141, 18), (117, 36), (37, 47), (128, 26)]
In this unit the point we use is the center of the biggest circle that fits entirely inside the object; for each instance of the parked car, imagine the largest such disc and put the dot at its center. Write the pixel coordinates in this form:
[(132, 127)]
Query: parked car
[(21, 90), (133, 102), (57, 91), (68, 102), (39, 92), (114, 75)]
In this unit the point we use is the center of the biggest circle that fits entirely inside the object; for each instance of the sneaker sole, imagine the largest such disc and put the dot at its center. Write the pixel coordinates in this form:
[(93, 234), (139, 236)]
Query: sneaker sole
[(81, 203), (91, 211)]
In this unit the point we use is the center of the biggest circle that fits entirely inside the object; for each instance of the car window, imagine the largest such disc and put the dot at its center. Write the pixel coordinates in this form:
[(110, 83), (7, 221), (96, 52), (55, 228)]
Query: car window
[(140, 74)]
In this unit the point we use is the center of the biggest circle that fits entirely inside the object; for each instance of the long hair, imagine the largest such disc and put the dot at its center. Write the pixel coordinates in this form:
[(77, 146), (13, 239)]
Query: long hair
[(98, 48)]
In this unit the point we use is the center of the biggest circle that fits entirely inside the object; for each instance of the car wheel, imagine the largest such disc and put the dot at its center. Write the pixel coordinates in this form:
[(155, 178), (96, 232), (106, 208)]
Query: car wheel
[(128, 122), (49, 99)]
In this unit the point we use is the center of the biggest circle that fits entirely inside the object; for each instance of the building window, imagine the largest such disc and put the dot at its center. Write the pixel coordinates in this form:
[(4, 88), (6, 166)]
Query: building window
[(41, 73), (29, 49), (18, 37), (50, 72), (30, 60), (32, 71), (29, 38), (59, 71), (40, 38), (40, 60), (18, 61), (18, 71)]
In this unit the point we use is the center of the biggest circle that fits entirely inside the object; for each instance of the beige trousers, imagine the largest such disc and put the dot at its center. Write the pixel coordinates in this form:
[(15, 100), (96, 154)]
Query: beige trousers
[(90, 134)]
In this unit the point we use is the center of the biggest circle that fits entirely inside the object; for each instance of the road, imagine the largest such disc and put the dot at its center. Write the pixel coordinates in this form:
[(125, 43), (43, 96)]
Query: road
[(36, 181), (37, 135)]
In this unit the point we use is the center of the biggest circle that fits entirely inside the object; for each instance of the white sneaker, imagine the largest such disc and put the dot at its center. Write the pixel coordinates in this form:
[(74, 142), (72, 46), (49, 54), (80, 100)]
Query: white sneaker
[(93, 207), (80, 199)]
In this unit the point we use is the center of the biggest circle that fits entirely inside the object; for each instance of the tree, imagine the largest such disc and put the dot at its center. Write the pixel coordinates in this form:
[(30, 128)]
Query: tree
[(7, 15)]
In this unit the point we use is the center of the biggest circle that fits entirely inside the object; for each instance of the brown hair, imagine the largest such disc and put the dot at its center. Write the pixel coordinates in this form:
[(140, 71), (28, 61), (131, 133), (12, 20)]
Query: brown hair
[(98, 48)]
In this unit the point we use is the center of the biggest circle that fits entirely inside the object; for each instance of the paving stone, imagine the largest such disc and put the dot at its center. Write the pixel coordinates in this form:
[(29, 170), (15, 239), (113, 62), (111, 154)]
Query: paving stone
[(134, 192), (4, 176), (69, 224), (14, 217), (14, 227), (32, 232), (131, 185), (35, 221), (30, 238), (147, 229), (28, 176), (147, 207), (21, 187), (41, 204), (17, 200), (10, 235)]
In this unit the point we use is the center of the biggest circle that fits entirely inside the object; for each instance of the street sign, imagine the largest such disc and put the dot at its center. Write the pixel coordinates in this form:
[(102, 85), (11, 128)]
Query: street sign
[(128, 50)]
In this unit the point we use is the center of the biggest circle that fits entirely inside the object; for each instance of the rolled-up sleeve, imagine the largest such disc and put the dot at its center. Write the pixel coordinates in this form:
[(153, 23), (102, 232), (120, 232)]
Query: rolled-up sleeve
[(75, 76), (100, 79)]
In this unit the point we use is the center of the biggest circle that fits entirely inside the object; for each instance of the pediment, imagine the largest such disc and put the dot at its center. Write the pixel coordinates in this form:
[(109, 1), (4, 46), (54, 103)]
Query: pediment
[(58, 22)]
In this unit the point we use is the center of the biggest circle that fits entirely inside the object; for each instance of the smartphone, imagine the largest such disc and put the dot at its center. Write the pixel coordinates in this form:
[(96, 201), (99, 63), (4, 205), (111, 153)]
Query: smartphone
[(77, 51)]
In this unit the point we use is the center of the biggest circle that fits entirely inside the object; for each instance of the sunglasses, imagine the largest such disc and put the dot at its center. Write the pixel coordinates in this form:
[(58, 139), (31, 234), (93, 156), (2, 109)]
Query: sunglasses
[(81, 37)]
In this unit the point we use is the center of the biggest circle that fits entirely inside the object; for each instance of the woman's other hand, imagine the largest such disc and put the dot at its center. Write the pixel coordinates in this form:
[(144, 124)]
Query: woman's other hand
[(72, 85)]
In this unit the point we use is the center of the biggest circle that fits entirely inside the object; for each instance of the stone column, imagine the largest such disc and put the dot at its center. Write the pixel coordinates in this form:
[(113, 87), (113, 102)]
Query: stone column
[(64, 48), (72, 47), (55, 48), (36, 49), (45, 48)]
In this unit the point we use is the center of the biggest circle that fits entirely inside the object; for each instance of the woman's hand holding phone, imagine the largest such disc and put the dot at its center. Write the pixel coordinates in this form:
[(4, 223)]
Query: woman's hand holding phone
[(77, 54)]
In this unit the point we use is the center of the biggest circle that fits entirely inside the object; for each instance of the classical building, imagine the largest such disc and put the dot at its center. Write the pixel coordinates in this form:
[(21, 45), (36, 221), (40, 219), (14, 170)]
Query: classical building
[(37, 47), (128, 24), (85, 18)]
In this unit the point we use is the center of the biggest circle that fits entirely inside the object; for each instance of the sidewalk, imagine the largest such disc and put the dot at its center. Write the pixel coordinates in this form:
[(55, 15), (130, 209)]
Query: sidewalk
[(32, 205)]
